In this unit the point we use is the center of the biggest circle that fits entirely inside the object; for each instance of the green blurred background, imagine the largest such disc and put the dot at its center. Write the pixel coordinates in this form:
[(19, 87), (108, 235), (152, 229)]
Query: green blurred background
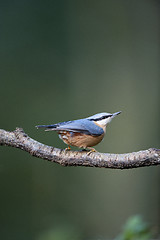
[(64, 60)]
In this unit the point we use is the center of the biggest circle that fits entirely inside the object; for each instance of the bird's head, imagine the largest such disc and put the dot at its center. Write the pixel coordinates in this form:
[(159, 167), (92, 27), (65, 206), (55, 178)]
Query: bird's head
[(102, 119)]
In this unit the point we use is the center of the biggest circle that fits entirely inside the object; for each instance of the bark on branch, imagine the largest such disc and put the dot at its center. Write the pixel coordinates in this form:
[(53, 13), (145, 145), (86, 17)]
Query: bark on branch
[(19, 139)]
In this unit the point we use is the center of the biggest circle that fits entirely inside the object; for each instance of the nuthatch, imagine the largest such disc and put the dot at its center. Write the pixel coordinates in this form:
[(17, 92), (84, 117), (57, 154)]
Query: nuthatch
[(82, 133)]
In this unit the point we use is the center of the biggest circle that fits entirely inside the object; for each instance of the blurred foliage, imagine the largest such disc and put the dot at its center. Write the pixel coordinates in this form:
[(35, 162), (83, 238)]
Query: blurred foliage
[(135, 229), (61, 233)]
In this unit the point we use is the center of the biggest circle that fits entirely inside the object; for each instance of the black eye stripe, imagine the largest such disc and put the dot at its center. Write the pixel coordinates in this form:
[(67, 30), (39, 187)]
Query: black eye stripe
[(101, 118)]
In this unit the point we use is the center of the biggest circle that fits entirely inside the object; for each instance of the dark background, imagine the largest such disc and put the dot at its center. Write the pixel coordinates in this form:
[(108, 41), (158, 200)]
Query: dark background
[(64, 60)]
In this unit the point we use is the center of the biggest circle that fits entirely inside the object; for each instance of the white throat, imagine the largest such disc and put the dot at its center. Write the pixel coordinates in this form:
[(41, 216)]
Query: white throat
[(104, 122)]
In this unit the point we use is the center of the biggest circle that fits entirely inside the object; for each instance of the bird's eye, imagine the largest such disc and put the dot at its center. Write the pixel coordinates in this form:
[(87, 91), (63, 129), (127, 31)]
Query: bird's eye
[(100, 118)]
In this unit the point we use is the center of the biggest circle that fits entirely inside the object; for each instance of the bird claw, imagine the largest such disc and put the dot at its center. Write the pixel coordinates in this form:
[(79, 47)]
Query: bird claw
[(91, 150), (68, 148)]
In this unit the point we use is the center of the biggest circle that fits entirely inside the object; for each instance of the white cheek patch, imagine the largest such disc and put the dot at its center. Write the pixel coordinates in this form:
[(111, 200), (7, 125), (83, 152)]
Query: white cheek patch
[(104, 122)]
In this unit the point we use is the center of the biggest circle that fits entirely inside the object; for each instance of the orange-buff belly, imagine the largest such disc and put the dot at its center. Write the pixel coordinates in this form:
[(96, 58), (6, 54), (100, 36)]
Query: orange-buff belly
[(79, 139)]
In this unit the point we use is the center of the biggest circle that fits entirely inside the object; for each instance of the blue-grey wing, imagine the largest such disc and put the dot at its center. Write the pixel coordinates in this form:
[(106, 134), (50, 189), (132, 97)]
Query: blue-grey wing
[(82, 126), (92, 128)]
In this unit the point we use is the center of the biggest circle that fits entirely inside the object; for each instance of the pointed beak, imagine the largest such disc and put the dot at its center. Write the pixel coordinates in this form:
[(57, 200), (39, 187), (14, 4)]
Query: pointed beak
[(115, 114)]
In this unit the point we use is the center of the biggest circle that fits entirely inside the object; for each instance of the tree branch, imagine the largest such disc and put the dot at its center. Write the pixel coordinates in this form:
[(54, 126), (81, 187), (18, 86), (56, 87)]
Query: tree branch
[(19, 139)]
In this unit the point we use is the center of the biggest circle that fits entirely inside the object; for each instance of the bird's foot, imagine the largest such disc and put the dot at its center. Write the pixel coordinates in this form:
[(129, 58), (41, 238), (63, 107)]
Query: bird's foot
[(91, 150), (68, 148)]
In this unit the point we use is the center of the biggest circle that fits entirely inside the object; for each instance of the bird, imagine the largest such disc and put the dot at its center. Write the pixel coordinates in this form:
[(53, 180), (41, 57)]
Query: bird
[(82, 133)]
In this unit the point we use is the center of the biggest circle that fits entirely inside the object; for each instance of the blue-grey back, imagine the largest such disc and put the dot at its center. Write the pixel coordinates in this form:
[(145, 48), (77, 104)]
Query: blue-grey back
[(82, 125)]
